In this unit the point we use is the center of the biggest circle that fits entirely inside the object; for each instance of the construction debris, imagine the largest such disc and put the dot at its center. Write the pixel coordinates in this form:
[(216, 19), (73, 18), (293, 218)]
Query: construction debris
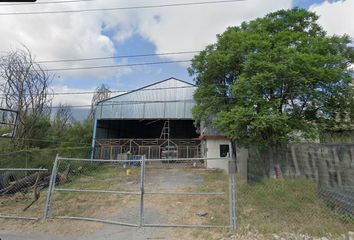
[(10, 184)]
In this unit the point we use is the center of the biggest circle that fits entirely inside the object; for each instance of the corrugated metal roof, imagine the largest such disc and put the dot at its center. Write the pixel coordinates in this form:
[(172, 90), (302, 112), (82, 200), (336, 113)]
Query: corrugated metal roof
[(167, 99)]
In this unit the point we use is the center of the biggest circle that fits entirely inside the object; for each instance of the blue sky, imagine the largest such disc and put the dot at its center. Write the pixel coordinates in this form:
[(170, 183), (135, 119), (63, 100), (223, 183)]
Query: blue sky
[(140, 76), (143, 31)]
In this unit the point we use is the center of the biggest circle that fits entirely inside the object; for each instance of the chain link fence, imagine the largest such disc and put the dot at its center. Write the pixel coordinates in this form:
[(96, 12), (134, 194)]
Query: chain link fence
[(304, 188), (95, 190), (307, 189), (24, 180), (141, 192)]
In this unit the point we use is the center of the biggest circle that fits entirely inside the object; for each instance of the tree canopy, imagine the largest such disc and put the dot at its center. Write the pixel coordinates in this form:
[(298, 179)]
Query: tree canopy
[(274, 78)]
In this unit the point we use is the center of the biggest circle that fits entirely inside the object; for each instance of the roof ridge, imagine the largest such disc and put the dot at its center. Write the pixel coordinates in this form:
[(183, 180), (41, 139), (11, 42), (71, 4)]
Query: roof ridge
[(144, 87)]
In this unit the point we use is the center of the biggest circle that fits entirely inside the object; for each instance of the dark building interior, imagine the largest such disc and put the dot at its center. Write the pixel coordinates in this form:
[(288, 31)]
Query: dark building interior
[(144, 129)]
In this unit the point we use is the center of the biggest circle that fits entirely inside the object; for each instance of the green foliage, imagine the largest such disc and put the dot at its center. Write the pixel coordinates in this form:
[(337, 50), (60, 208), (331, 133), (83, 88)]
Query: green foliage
[(37, 130), (77, 134), (273, 78)]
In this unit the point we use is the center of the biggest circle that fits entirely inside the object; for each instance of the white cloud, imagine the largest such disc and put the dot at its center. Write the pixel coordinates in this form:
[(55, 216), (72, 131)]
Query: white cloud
[(82, 35), (194, 28), (74, 99), (58, 36), (336, 17)]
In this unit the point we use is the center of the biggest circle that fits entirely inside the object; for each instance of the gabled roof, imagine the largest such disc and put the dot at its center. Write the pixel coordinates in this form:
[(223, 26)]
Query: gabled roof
[(148, 86)]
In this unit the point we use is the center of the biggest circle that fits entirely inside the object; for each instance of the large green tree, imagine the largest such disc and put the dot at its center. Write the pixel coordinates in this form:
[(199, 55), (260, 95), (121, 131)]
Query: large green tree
[(273, 78)]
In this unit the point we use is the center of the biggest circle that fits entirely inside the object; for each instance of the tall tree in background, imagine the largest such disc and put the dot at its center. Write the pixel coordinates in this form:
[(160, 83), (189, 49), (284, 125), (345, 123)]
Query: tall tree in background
[(25, 85), (101, 93), (272, 79), (62, 119)]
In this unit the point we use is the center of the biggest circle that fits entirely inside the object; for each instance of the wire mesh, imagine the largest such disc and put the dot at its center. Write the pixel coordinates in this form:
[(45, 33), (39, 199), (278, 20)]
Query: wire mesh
[(301, 188), (141, 192), (183, 192), (24, 180), (100, 190)]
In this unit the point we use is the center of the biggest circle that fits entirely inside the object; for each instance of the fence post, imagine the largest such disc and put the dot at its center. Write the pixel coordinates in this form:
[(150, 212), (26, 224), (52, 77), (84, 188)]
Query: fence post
[(142, 179), (232, 194), (51, 188)]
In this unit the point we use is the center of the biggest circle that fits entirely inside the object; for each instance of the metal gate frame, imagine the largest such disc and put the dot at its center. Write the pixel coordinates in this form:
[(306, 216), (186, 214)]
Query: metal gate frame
[(140, 222)]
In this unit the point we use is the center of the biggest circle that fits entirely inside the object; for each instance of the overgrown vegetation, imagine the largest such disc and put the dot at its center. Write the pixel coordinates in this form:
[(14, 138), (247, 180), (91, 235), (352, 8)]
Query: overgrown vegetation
[(288, 205)]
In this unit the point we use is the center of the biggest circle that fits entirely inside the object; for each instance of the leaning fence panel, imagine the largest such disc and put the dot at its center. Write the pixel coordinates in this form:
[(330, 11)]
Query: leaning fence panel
[(24, 181), (20, 192), (97, 190)]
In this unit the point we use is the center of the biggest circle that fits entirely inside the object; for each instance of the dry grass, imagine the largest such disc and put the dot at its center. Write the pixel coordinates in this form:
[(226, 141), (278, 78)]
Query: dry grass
[(272, 206), (287, 205)]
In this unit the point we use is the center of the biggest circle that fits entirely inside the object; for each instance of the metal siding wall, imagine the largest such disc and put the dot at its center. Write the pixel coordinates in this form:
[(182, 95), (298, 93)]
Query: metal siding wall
[(125, 107)]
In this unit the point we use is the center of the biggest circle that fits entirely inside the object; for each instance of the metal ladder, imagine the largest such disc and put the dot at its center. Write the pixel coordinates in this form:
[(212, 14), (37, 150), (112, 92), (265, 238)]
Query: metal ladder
[(165, 133)]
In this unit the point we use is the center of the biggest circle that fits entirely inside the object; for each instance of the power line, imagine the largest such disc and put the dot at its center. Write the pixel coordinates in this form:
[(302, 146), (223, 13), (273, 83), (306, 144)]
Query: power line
[(117, 57), (41, 3), (112, 91), (140, 102), (120, 8), (117, 65), (114, 65), (127, 103)]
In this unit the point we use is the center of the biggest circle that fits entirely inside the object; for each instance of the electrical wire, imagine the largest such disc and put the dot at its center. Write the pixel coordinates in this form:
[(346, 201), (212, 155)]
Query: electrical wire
[(111, 91), (117, 65), (139, 102), (114, 66), (116, 57), (41, 3), (120, 8)]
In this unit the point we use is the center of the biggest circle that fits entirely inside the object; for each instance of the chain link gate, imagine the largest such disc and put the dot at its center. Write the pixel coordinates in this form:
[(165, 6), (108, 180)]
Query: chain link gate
[(143, 192)]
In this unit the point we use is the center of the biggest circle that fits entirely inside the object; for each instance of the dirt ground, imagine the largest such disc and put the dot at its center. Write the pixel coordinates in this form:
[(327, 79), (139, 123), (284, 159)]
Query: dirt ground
[(162, 209), (297, 214)]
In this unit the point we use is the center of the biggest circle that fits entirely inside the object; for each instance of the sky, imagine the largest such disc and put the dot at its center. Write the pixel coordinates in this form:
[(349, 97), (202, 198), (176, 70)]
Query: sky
[(136, 32)]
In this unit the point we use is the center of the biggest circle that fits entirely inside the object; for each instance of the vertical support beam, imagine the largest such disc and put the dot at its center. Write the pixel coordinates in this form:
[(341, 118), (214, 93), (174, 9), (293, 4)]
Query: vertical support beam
[(232, 195), (232, 192), (51, 188), (142, 179), (144, 110), (94, 137)]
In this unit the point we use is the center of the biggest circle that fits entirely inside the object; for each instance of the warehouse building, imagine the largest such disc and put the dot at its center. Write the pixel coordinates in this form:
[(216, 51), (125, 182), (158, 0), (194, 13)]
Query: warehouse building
[(155, 121)]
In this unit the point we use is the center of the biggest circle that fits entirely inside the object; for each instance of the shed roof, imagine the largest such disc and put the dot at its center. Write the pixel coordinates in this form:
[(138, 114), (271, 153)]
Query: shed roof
[(167, 99)]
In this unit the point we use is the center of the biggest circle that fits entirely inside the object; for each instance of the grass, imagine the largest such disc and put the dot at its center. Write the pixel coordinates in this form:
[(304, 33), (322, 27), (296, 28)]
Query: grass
[(35, 158), (267, 207), (287, 205), (101, 205)]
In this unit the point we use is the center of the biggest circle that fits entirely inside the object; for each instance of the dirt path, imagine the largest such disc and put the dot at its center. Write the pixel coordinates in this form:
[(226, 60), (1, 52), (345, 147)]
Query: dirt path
[(156, 180)]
